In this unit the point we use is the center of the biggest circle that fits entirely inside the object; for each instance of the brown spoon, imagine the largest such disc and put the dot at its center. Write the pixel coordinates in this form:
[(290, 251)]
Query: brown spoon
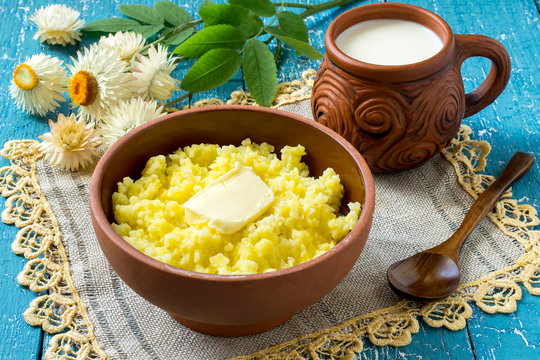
[(434, 273)]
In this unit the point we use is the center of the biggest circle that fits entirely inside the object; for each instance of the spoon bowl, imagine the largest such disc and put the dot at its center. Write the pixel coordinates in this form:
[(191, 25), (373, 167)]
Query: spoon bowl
[(424, 276)]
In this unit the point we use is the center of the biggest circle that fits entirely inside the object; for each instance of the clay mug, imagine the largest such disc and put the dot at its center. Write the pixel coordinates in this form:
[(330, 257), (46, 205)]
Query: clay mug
[(399, 116)]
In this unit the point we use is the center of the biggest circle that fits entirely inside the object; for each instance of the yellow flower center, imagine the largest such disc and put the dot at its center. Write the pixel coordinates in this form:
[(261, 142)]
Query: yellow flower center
[(83, 88), (25, 77)]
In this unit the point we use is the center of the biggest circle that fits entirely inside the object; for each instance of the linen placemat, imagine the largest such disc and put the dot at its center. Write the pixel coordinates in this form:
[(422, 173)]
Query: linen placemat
[(95, 315)]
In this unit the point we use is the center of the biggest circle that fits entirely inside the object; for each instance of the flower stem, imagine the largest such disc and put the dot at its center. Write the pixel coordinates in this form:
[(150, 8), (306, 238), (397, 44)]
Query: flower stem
[(309, 11), (269, 40), (177, 100), (178, 29), (179, 59), (278, 51), (293, 5), (314, 9)]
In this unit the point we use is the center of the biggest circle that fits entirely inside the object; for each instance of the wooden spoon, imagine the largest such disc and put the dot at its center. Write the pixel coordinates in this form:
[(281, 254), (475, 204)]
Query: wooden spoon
[(434, 273)]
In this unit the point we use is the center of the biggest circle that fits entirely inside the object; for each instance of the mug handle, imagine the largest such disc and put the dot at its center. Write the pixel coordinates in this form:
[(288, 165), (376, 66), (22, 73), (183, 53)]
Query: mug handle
[(495, 82)]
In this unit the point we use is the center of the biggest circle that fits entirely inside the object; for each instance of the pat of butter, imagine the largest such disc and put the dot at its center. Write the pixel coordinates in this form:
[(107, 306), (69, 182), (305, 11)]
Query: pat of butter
[(231, 201)]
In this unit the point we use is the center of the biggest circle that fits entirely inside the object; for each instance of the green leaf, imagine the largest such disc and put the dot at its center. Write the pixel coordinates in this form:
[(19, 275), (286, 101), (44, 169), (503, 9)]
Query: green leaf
[(147, 30), (205, 3), (236, 16), (259, 7), (301, 47), (212, 37), (221, 14), (111, 25), (142, 13), (260, 72), (293, 26), (251, 23), (179, 37), (214, 68), (172, 13)]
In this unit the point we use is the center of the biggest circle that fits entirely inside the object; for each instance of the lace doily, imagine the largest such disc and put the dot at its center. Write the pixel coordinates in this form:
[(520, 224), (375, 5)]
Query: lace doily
[(61, 311)]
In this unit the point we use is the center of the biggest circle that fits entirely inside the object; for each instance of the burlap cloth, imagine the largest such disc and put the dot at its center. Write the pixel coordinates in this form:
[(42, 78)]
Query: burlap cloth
[(414, 211)]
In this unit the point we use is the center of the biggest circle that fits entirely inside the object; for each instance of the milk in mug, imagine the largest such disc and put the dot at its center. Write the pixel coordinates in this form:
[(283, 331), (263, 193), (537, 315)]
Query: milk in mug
[(389, 42)]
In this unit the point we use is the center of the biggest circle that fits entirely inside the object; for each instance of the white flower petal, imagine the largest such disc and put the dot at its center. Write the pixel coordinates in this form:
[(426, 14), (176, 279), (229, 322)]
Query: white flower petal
[(57, 24), (124, 44), (151, 74), (112, 78), (126, 117), (71, 144), (45, 96)]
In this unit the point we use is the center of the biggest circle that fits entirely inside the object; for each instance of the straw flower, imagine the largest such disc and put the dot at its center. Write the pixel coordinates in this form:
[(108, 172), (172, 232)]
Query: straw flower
[(99, 79), (124, 44), (71, 144), (126, 117), (57, 24), (38, 83), (151, 74)]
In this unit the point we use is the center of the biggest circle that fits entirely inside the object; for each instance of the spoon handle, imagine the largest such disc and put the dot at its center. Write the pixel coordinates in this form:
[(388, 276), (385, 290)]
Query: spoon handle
[(514, 170)]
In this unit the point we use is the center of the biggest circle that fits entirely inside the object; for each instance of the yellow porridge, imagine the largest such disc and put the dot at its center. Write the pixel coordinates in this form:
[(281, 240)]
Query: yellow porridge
[(299, 222)]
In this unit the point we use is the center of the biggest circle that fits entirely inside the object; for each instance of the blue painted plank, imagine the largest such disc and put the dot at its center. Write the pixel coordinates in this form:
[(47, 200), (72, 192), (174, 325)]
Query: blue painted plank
[(19, 340), (510, 124), (514, 108), (45, 344), (512, 336), (429, 343)]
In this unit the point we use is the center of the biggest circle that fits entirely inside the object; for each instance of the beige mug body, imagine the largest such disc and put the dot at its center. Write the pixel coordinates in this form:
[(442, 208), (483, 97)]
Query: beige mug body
[(398, 117)]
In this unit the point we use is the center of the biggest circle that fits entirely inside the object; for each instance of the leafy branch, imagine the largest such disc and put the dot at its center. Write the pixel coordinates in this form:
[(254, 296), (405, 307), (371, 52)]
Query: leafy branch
[(229, 39)]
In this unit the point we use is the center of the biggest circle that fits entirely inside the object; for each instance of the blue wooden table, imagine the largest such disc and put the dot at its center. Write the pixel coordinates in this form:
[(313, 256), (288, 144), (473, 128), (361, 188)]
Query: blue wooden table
[(510, 124)]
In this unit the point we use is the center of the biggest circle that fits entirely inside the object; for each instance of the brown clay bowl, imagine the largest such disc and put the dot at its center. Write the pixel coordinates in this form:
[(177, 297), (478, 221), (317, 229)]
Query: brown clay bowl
[(230, 305)]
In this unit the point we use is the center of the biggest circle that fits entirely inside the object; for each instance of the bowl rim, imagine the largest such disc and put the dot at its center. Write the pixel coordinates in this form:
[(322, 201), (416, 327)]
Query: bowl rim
[(100, 219)]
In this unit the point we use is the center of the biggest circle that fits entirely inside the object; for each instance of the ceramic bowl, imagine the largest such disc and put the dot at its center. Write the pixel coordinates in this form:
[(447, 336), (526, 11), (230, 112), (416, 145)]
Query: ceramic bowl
[(230, 305)]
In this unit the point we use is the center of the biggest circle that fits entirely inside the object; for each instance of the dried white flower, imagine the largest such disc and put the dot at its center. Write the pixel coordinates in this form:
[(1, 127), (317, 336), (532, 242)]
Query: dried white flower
[(38, 83), (99, 81), (124, 44), (151, 74), (57, 24), (71, 144), (126, 117)]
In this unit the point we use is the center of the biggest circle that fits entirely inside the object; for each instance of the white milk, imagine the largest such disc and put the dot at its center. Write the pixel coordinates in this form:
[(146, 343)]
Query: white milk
[(389, 42)]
